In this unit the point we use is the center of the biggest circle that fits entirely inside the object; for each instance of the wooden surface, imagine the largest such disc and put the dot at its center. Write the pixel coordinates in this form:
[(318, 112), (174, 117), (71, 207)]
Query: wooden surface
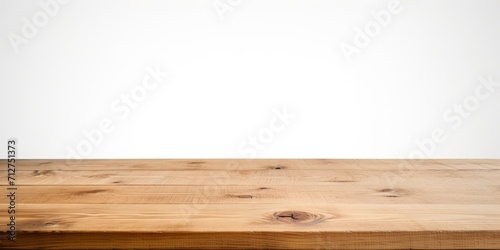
[(227, 204)]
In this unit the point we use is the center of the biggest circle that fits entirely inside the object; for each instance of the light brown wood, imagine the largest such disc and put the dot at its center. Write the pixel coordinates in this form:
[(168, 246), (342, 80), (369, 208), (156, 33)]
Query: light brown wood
[(280, 204)]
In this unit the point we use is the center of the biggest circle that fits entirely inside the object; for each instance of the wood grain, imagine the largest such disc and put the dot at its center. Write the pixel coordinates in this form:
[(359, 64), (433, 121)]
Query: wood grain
[(254, 204)]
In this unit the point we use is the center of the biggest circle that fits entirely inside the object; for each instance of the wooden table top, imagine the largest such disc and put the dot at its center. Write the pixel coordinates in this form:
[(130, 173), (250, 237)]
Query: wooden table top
[(285, 204)]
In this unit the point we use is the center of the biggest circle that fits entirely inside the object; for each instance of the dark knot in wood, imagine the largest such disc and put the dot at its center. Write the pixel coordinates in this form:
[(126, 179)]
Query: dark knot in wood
[(299, 217)]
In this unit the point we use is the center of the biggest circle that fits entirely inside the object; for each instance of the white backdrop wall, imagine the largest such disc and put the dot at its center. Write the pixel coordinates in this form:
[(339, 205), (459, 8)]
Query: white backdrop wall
[(250, 78)]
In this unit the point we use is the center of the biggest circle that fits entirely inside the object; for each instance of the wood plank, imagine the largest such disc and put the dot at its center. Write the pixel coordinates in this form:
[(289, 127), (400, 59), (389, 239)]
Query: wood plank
[(271, 203), (244, 177), (205, 217), (256, 164), (262, 240), (343, 192)]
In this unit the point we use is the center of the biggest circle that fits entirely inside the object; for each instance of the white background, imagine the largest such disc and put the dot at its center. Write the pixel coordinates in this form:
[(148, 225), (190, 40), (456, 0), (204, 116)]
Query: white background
[(228, 77)]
